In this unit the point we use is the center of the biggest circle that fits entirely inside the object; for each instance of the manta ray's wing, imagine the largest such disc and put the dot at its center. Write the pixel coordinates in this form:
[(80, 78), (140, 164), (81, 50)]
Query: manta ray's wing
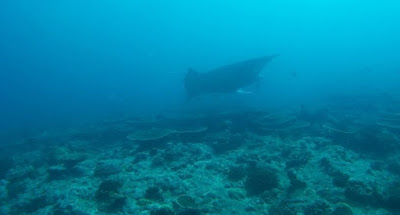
[(225, 79)]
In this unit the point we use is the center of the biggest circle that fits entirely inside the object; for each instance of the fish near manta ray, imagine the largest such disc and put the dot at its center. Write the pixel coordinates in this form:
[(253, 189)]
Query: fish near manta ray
[(225, 79)]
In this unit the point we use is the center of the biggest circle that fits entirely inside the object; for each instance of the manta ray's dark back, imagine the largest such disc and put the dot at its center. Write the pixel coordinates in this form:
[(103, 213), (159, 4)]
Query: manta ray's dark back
[(225, 79)]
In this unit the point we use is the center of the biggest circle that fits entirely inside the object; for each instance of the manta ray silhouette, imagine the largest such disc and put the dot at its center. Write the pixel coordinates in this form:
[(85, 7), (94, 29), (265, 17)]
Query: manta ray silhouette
[(225, 79)]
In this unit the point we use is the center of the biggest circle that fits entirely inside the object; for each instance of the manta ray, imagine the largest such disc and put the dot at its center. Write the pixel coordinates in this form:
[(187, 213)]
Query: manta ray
[(225, 79)]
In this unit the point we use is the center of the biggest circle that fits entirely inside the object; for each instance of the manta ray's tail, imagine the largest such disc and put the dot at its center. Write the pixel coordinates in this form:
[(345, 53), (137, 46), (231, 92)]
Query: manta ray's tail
[(190, 78)]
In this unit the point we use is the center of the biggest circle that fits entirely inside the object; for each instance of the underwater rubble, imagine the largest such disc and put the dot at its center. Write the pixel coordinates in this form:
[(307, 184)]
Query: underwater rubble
[(327, 160)]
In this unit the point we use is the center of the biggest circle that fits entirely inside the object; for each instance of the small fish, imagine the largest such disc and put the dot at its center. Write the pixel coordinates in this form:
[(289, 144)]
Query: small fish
[(241, 91)]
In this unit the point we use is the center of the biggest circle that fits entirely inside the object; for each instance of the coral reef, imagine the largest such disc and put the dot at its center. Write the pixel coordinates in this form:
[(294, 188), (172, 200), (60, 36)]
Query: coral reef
[(260, 179), (233, 162)]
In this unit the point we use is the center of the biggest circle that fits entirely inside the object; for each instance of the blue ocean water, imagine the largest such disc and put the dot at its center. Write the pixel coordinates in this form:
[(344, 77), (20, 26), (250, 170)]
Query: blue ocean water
[(70, 60), (67, 64)]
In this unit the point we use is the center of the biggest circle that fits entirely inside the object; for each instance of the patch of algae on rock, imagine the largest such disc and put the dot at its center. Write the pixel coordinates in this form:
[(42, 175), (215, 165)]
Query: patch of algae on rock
[(150, 134), (185, 201), (191, 130), (389, 120), (280, 122), (155, 134)]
